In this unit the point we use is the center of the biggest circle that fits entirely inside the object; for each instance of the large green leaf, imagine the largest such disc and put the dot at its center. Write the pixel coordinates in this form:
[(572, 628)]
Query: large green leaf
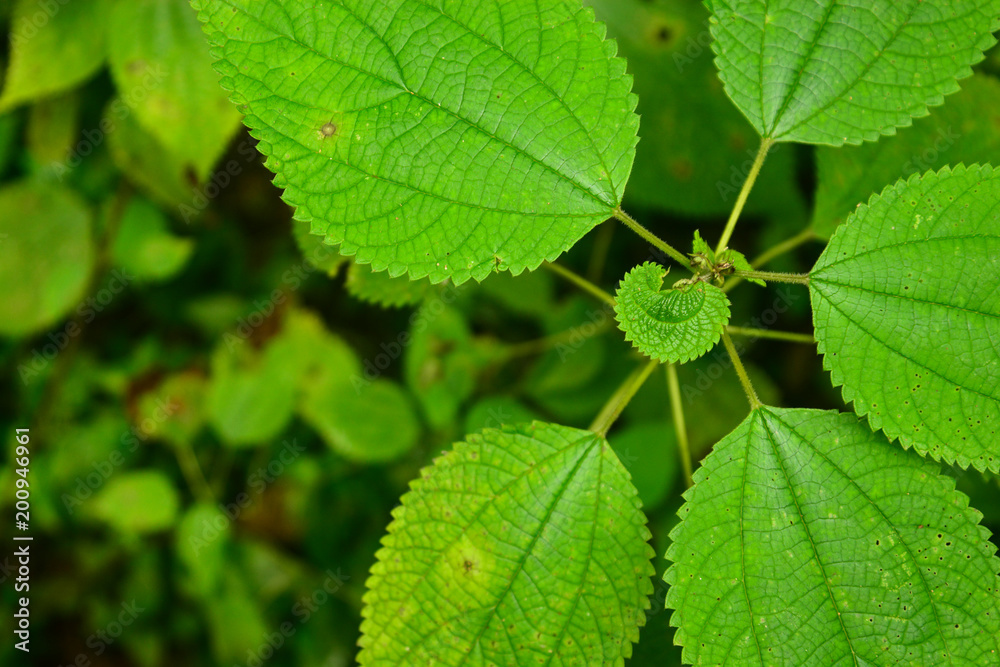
[(807, 539), (520, 546), (679, 324), (46, 255), (439, 139), (907, 313), (696, 147), (966, 130), (838, 71), (54, 46)]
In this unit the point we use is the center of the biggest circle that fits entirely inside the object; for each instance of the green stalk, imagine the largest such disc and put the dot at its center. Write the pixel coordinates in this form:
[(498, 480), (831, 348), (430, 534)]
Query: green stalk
[(580, 282), (680, 426), (653, 239), (765, 146), (773, 335), (620, 399), (741, 372)]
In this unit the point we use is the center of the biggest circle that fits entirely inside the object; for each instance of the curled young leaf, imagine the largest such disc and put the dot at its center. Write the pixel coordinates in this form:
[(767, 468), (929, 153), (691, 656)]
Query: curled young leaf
[(677, 325)]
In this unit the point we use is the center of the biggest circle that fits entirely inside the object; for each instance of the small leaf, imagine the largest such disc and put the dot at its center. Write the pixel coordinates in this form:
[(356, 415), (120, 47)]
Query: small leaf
[(147, 163), (53, 128), (520, 545), (145, 247), (251, 394), (411, 163), (701, 247), (369, 422), (137, 502), (46, 264), (677, 325), (384, 290), (808, 535), (160, 61), (965, 130), (440, 364), (907, 314), (739, 262), (54, 47), (837, 72)]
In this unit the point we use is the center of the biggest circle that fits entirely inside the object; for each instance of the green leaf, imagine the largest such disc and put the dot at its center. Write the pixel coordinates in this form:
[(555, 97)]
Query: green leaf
[(145, 161), (677, 325), (368, 422), (160, 61), (440, 365), (384, 290), (807, 535), (965, 130), (251, 394), (837, 72), (46, 265), (145, 247), (519, 546), (907, 314), (137, 502), (408, 161), (53, 127), (174, 411), (54, 47), (696, 149)]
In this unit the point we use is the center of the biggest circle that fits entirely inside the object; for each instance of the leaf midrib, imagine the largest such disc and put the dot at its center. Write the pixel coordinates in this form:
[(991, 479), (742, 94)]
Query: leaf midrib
[(433, 106), (504, 489), (892, 527)]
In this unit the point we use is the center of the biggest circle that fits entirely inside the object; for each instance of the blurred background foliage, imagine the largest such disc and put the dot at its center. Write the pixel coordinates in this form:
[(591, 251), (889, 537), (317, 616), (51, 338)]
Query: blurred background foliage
[(224, 411)]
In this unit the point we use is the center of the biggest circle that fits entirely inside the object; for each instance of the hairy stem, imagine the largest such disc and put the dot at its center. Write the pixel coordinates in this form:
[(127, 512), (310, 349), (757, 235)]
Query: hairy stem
[(765, 146), (773, 335), (741, 372), (653, 239), (620, 399), (774, 252), (580, 282), (796, 278), (680, 426)]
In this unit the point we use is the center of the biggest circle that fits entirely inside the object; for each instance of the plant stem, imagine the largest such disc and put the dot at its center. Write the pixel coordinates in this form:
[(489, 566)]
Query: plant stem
[(620, 399), (774, 252), (773, 335), (765, 146), (653, 239), (599, 256), (680, 426), (785, 246), (741, 372), (546, 343), (193, 474), (774, 276), (580, 282)]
